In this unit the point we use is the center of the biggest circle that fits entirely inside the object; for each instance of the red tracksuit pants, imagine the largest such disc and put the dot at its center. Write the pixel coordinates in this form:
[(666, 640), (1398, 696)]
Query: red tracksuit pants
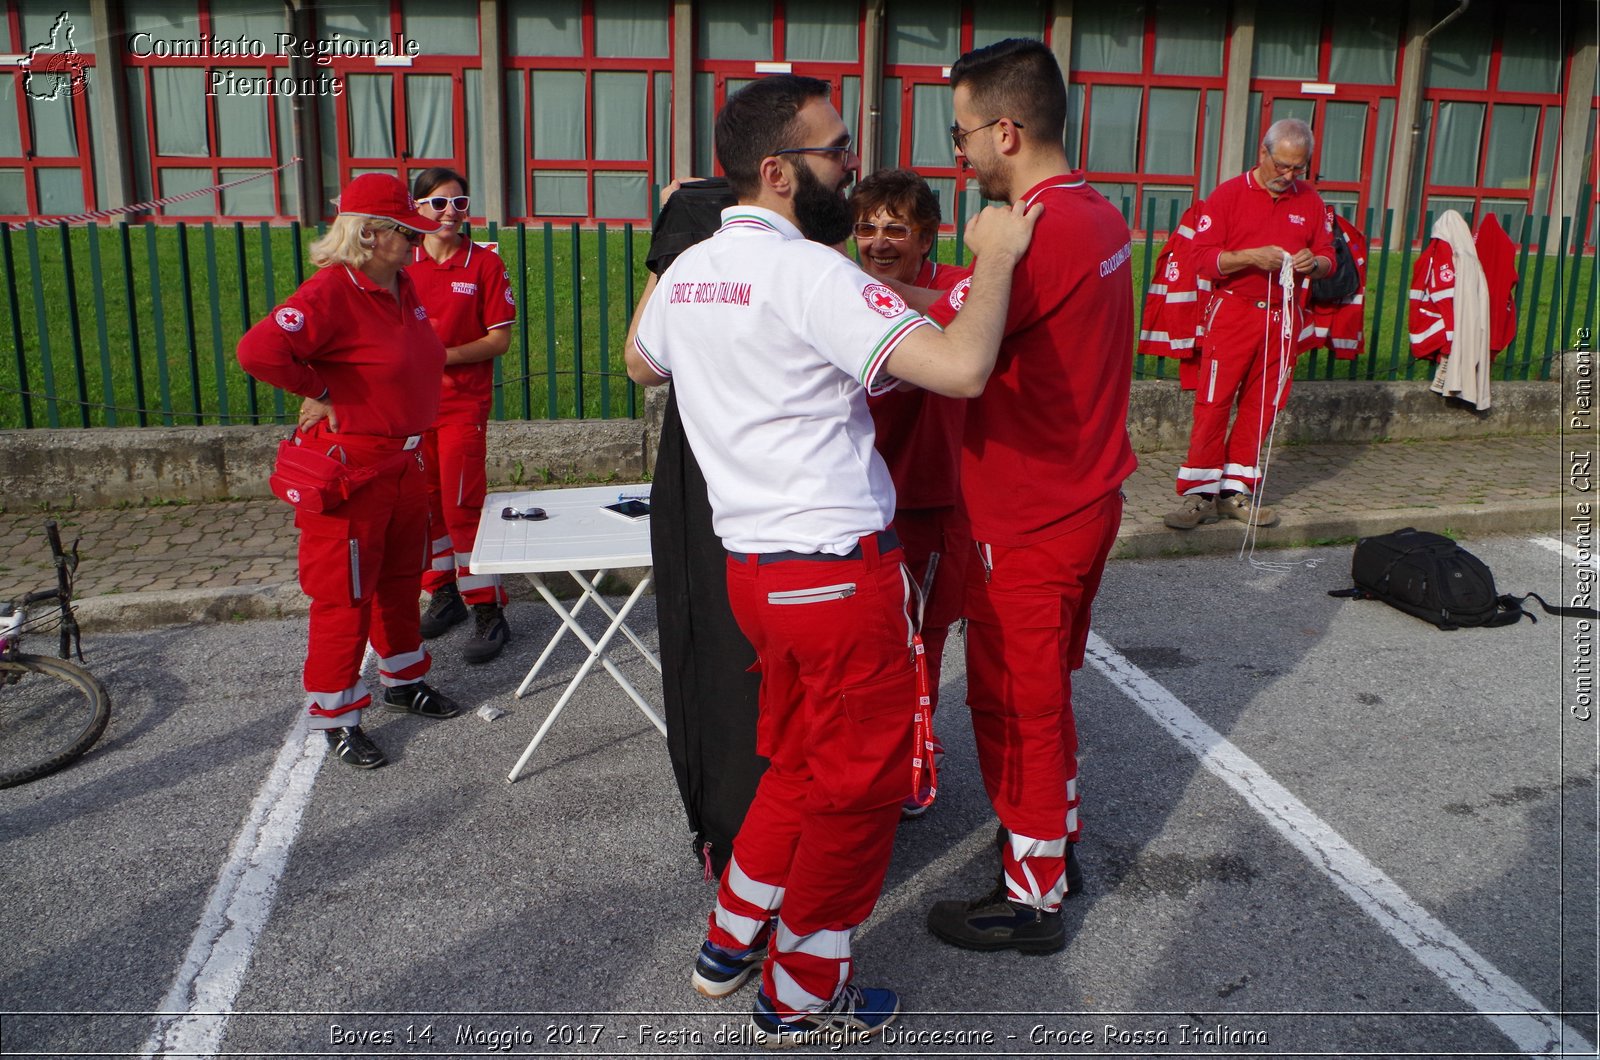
[(1027, 624), (838, 692), (361, 565), (1240, 359), (454, 452)]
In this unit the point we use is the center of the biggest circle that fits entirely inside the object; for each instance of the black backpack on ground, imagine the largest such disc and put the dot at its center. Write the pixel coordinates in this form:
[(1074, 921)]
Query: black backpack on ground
[(1432, 577)]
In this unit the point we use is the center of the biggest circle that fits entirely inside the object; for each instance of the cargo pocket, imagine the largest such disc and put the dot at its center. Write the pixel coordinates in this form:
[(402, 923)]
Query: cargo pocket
[(872, 744), (330, 559)]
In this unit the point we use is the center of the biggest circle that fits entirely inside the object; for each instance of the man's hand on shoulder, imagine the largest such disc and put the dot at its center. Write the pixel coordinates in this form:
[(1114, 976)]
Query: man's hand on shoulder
[(1003, 230)]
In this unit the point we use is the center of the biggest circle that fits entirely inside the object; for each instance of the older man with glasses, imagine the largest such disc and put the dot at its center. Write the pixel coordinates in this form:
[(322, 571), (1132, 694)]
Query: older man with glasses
[(1248, 229)]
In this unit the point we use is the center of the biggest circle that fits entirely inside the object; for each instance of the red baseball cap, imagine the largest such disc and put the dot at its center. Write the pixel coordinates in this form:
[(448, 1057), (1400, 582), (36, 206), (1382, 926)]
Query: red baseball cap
[(380, 196)]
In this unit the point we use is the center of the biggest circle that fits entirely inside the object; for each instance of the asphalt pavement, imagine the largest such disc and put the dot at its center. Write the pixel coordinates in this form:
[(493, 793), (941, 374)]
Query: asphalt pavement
[(1312, 826)]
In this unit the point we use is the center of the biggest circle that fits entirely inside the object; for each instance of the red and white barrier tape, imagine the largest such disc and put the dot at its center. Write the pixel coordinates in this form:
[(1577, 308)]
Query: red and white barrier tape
[(143, 207)]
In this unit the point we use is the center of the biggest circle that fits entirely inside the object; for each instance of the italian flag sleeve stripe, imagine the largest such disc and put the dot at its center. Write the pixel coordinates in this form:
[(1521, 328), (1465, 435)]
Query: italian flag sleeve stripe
[(873, 369), (655, 365)]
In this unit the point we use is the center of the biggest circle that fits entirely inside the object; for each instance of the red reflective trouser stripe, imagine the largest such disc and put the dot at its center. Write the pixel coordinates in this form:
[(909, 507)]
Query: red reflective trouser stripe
[(1027, 624), (923, 531), (361, 565), (454, 451), (838, 692), (1239, 356)]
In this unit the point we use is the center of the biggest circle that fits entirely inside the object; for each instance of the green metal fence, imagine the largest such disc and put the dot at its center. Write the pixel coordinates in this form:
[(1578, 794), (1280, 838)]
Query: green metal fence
[(167, 304)]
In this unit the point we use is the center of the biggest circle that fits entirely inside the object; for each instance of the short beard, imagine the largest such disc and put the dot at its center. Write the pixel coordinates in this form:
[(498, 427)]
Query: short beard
[(823, 215), (993, 184)]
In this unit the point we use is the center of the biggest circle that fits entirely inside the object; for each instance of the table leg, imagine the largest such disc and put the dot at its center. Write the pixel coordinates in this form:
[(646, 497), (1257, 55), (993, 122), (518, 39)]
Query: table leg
[(649, 656), (568, 621)]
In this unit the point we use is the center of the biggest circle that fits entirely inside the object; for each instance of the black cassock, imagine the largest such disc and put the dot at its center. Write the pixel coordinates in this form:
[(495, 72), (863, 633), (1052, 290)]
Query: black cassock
[(709, 689)]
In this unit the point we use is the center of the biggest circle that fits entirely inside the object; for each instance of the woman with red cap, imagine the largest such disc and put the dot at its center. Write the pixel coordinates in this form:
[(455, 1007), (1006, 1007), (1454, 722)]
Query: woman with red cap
[(356, 343)]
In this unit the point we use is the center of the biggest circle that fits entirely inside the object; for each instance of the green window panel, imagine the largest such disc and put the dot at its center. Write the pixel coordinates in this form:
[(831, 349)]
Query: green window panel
[(704, 106), (1339, 142), (889, 125), (1108, 38), (1456, 142), (516, 152), (1168, 203), (13, 192), (1438, 204), (474, 101), (61, 191), (558, 111), (1073, 133), (356, 19), (931, 115), (1286, 43), (619, 117), (631, 29), (180, 110), (826, 31), (164, 22), (242, 122), (1382, 152), (430, 116), (328, 147), (1252, 133), (1211, 144), (926, 32), (38, 16), (545, 27), (178, 181), (1170, 131), (1458, 56), (1530, 56), (850, 107), (250, 19), (1512, 131), (247, 200), (371, 115), (1113, 129), (440, 29), (558, 194), (621, 195), (288, 180), (1189, 36), (1365, 42), (998, 22), (10, 130), (735, 29), (944, 189), (1547, 151), (663, 130)]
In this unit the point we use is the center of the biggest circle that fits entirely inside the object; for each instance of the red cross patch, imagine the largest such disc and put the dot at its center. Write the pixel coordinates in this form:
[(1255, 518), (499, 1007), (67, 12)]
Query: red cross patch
[(958, 293), (883, 300), (289, 318)]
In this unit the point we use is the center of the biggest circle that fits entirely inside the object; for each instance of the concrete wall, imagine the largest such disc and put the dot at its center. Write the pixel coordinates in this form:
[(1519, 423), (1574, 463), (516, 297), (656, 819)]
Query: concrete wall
[(106, 467)]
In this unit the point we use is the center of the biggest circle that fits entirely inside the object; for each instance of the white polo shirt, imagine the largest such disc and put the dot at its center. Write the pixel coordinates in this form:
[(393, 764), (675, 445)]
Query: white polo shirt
[(773, 342)]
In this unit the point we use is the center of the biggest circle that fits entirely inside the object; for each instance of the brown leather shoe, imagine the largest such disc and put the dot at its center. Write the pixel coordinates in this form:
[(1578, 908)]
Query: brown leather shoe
[(1237, 506), (1196, 508)]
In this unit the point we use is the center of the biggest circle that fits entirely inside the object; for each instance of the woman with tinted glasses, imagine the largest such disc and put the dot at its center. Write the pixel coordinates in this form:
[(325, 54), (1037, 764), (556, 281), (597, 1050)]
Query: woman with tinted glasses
[(467, 292), (355, 342)]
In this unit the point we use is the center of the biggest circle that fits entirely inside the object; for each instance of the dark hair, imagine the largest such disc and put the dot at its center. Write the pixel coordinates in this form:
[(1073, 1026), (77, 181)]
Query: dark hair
[(434, 176), (1018, 79), (758, 120), (901, 193)]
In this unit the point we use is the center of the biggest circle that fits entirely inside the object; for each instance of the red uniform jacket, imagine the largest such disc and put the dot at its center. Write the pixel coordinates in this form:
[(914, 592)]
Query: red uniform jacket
[(1340, 326), (1433, 289), (1174, 306)]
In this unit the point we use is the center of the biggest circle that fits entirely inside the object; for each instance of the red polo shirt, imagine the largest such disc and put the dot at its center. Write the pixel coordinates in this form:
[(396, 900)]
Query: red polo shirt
[(378, 359), (467, 295), (1242, 214), (919, 432), (1048, 436)]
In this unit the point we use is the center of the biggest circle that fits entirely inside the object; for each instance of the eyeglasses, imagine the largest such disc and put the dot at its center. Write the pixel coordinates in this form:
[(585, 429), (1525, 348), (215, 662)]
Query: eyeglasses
[(410, 235), (958, 135), (894, 233), (841, 151), (439, 202), (1285, 168), (530, 514)]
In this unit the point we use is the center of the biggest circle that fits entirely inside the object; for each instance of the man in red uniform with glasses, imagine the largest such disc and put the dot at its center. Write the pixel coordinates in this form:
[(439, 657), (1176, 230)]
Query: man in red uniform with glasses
[(1247, 229)]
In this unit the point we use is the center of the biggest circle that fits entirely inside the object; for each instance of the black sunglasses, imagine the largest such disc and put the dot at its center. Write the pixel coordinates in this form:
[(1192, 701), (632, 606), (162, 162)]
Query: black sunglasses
[(531, 514)]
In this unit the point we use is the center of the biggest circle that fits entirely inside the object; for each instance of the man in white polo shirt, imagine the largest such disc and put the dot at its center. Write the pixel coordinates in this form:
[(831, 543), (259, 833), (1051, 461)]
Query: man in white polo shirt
[(774, 341)]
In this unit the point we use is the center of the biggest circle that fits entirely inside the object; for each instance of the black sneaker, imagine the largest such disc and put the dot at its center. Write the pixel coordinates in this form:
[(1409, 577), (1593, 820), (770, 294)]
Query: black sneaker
[(418, 698), (719, 972), (995, 922), (445, 609), (1074, 870), (854, 1015), (489, 634), (352, 746)]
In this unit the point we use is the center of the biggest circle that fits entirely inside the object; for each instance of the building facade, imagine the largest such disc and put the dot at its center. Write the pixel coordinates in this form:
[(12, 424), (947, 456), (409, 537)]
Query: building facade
[(570, 110)]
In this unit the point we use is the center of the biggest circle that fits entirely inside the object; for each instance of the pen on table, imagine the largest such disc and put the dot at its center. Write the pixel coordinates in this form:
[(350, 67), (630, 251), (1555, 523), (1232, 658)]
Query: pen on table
[(633, 496)]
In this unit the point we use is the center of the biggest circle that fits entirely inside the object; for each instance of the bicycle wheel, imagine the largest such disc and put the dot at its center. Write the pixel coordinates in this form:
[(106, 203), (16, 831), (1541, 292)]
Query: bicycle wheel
[(51, 711)]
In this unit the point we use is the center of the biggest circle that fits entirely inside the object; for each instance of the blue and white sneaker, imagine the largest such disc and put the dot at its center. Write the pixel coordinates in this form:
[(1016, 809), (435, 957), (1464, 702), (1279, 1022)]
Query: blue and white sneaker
[(854, 1015), (719, 972)]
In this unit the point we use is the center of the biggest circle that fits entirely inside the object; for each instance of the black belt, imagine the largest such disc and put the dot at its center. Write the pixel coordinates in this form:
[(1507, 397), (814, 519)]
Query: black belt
[(887, 540)]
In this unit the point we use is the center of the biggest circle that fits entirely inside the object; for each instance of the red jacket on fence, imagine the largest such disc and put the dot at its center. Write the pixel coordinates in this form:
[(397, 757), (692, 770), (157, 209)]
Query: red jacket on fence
[(1341, 326), (1433, 287), (1175, 305)]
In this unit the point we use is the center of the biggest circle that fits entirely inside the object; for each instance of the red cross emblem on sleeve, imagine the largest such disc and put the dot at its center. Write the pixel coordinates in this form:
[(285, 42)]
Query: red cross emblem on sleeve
[(289, 318), (883, 300)]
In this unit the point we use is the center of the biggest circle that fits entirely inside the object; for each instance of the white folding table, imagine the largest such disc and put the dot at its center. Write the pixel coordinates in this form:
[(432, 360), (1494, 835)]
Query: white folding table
[(578, 536)]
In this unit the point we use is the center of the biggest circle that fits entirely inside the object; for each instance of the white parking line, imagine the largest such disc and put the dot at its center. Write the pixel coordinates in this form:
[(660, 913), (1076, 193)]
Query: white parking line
[(1518, 1014), (1564, 549)]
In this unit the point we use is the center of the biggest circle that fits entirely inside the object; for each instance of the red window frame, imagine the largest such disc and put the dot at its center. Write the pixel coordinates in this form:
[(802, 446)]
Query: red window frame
[(588, 64), (27, 162), (1145, 80)]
